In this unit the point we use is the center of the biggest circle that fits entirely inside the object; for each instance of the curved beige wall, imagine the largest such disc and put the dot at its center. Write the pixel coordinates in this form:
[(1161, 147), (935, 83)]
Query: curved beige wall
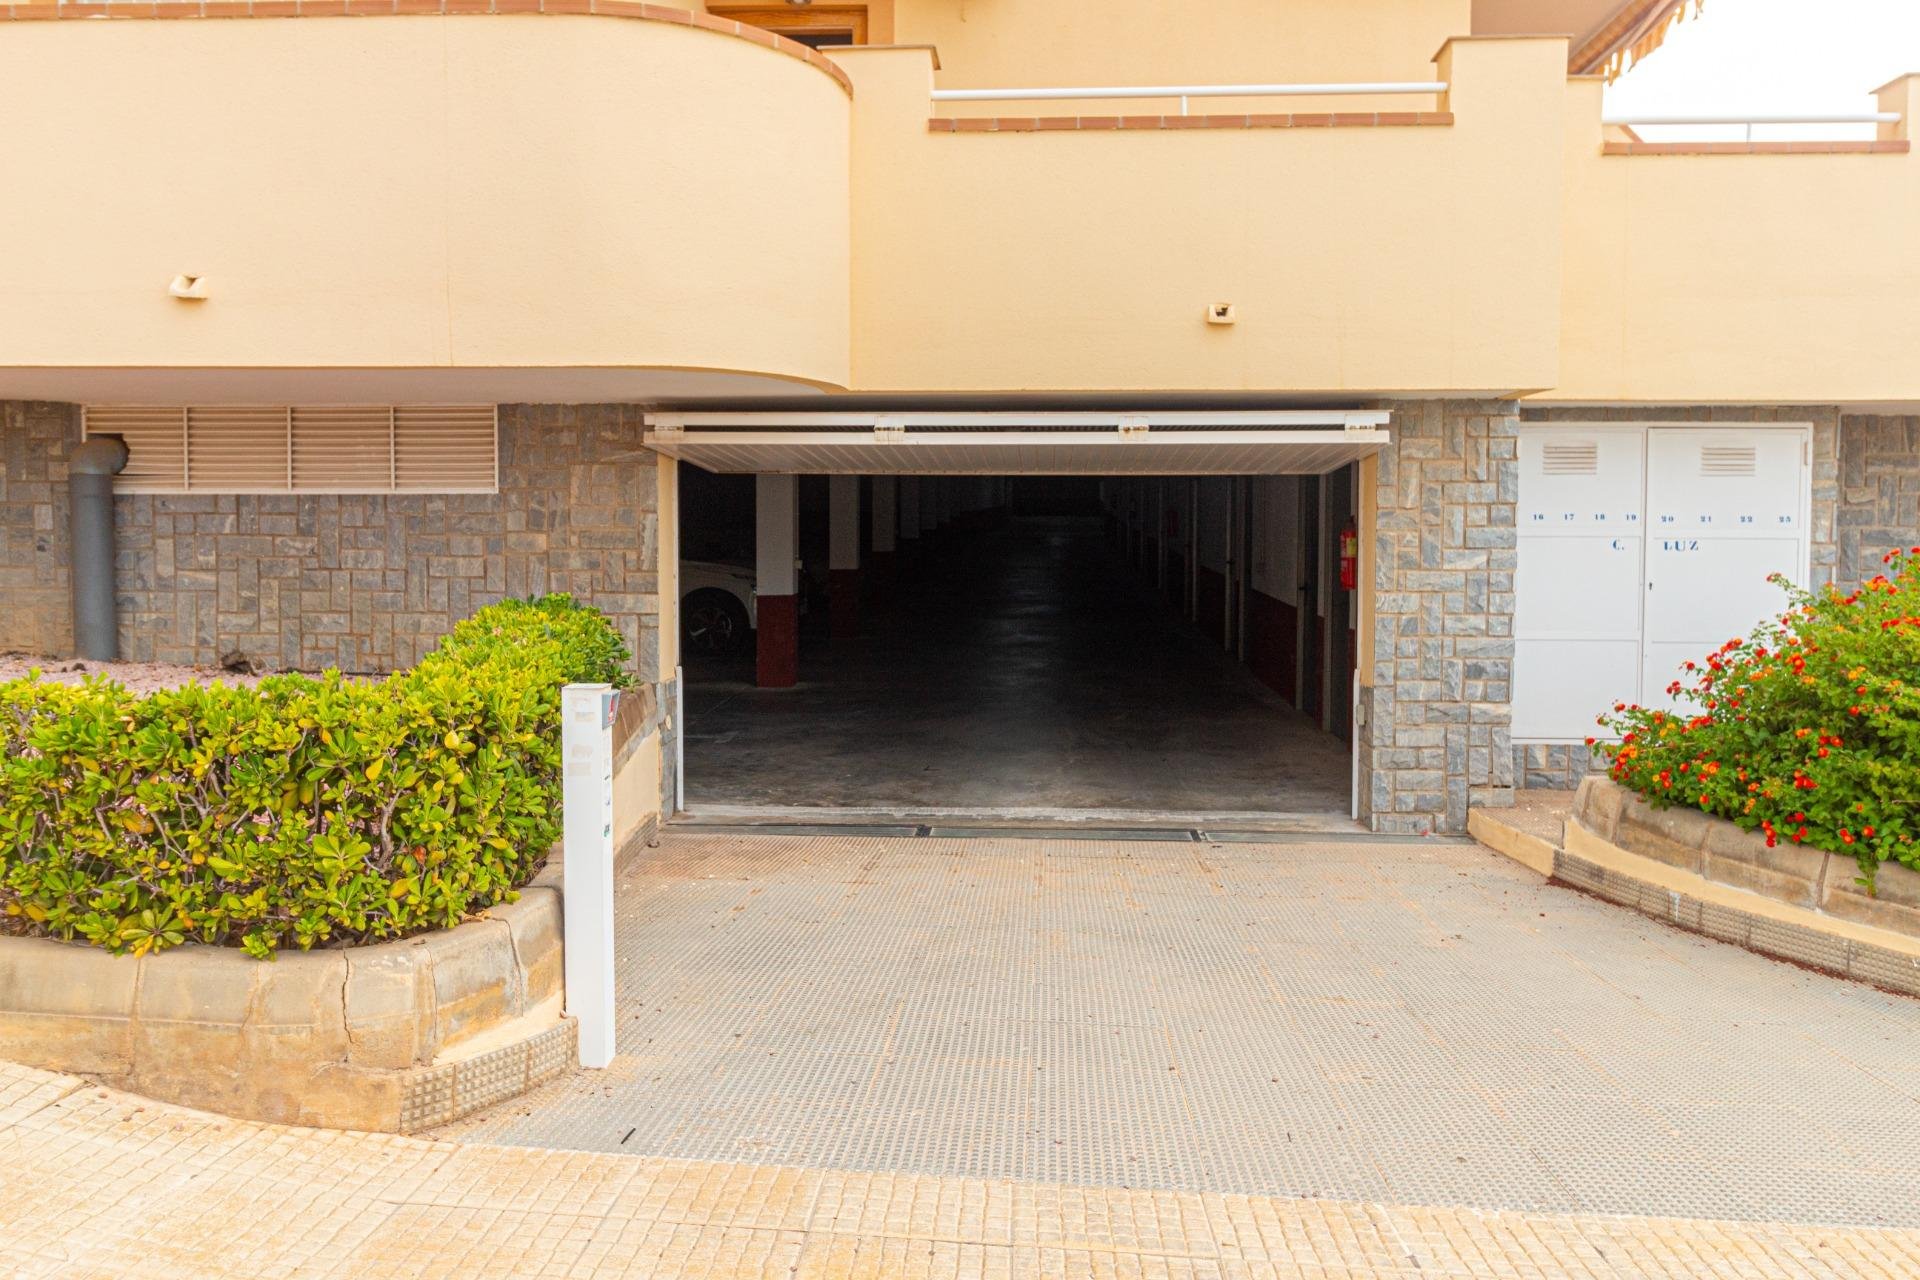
[(480, 191)]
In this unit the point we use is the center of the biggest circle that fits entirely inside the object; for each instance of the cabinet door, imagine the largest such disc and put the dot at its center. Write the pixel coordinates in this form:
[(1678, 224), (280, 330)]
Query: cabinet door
[(1724, 511), (1577, 590)]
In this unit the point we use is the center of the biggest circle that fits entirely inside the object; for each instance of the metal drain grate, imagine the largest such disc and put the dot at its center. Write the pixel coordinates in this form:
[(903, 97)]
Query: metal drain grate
[(1123, 835)]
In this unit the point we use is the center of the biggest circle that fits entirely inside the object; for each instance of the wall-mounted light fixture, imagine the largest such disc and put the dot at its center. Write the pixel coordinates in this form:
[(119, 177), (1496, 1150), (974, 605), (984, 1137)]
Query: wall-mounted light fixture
[(189, 287)]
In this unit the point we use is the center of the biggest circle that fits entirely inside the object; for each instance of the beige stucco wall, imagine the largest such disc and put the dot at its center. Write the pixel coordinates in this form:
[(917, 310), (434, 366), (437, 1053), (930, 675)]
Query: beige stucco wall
[(1376, 259), (573, 193), (636, 793), (1001, 43), (1756, 278), (423, 191)]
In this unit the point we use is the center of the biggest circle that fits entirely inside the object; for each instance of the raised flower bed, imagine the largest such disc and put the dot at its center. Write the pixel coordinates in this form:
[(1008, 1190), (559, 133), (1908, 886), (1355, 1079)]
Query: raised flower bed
[(318, 901), (1789, 766)]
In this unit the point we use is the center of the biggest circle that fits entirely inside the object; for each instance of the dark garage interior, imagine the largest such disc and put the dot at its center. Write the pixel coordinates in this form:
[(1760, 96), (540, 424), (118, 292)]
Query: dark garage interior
[(1066, 651)]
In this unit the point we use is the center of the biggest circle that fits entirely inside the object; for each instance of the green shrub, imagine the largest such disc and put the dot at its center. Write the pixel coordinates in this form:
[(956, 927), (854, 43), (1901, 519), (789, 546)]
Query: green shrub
[(301, 812), (1807, 731)]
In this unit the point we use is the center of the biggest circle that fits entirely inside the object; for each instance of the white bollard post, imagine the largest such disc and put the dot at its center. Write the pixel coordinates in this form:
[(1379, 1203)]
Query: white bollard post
[(586, 752)]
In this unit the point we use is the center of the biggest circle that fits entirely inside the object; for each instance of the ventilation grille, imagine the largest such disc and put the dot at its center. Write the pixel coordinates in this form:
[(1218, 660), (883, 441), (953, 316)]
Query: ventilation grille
[(304, 449), (1570, 458), (156, 446), (435, 450), (1729, 460)]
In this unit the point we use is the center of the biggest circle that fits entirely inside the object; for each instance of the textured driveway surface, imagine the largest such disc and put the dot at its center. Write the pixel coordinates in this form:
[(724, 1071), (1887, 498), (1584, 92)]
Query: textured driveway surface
[(1357, 1021), (101, 1184)]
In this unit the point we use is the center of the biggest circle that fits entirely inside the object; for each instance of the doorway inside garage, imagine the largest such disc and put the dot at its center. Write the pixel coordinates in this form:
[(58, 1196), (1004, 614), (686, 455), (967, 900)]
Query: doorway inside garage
[(1067, 647)]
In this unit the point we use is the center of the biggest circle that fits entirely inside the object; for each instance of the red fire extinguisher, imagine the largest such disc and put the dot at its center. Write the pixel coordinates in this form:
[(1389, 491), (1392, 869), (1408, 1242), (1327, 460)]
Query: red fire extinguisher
[(1349, 557)]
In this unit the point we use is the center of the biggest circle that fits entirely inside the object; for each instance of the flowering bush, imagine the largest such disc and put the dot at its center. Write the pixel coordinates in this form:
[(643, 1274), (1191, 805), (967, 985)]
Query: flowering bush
[(1807, 731), (304, 811)]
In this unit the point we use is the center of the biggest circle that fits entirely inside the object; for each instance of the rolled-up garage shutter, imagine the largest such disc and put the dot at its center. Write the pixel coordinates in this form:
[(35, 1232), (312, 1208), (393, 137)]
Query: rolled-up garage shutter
[(1012, 442)]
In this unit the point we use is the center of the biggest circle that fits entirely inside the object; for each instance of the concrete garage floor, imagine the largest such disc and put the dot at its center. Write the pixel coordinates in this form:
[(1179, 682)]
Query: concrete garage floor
[(1018, 672), (1399, 1023)]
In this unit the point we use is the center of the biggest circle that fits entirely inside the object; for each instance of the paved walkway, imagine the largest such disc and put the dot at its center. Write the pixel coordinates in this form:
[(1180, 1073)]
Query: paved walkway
[(1360, 1022), (102, 1184)]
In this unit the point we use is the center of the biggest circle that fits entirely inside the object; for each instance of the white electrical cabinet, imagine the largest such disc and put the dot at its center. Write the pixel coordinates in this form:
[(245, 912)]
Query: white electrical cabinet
[(1641, 547)]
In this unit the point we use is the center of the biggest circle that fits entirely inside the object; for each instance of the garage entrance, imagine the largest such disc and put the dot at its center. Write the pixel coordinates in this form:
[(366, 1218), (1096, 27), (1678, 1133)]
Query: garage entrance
[(1083, 639)]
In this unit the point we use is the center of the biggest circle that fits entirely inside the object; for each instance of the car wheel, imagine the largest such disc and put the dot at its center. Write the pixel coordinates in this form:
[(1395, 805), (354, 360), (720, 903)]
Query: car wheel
[(713, 623)]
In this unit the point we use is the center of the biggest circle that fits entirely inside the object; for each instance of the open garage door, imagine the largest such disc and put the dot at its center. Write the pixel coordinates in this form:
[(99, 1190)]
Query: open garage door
[(1202, 443), (1033, 616)]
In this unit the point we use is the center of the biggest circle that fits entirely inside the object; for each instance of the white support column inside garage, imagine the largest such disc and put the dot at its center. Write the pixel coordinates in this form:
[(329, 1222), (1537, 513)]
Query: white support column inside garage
[(910, 522), (843, 555), (884, 514), (777, 579), (883, 519)]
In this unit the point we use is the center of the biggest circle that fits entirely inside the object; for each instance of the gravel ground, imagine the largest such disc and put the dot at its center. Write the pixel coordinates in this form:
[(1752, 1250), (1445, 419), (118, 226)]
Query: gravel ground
[(140, 677)]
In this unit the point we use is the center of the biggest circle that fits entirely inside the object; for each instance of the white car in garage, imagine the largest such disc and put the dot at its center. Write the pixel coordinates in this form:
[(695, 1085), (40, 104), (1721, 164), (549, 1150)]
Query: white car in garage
[(717, 613)]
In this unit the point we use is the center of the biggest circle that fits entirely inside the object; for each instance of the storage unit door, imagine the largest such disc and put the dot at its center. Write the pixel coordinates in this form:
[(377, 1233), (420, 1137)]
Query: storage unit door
[(1577, 603), (1726, 509)]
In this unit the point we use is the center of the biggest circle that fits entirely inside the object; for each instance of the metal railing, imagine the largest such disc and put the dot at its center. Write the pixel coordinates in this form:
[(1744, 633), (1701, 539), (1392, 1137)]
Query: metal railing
[(1185, 92), (1751, 121)]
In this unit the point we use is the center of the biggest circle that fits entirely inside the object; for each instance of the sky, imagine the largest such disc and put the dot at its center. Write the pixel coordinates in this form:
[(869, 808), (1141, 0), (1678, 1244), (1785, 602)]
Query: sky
[(1773, 57)]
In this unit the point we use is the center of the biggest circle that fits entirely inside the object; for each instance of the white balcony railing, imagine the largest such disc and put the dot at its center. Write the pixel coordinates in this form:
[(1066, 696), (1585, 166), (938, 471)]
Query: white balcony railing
[(1185, 92), (1750, 122)]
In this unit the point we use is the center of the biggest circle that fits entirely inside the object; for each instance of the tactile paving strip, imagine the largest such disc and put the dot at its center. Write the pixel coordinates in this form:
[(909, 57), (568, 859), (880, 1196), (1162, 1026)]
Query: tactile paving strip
[(1393, 1022)]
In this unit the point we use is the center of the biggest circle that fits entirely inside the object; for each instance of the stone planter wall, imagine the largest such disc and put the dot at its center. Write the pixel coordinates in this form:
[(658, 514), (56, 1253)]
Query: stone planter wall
[(1716, 850), (1707, 876), (395, 1037)]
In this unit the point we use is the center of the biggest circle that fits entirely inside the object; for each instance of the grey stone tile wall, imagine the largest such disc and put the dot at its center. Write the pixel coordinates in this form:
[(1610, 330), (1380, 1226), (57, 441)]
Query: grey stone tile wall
[(1552, 766), (1879, 492), (1436, 735), (35, 440), (367, 583), (364, 583)]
